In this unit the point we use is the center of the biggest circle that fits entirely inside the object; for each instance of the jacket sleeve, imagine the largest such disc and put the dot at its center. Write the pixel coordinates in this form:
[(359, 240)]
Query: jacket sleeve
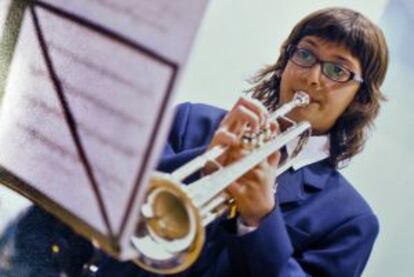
[(192, 130), (268, 251), (37, 244)]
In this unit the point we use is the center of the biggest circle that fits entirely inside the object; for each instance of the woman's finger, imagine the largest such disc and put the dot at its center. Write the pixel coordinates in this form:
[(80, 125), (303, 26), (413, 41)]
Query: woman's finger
[(255, 106), (236, 190), (240, 117), (224, 137), (274, 159)]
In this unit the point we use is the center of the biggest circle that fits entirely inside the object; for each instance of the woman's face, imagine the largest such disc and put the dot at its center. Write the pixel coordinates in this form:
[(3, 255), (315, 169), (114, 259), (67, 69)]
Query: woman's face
[(328, 98)]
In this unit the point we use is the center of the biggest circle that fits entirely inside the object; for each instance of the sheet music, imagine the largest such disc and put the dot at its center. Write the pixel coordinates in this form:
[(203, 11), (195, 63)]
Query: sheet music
[(163, 25), (4, 7), (89, 86)]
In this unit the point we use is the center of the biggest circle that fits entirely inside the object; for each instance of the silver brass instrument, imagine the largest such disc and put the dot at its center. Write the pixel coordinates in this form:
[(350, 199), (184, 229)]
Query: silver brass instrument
[(170, 234)]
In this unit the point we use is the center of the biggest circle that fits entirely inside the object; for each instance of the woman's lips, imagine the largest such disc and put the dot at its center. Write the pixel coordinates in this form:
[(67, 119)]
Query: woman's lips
[(311, 98)]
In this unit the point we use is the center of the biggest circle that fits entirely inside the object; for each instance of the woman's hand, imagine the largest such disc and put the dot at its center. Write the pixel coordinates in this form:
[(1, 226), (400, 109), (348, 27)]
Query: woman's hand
[(253, 192)]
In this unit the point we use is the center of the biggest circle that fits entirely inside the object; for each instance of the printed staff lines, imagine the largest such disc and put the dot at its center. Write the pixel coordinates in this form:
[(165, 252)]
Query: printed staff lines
[(63, 152), (51, 144), (92, 66), (73, 90), (61, 89), (124, 150), (129, 12)]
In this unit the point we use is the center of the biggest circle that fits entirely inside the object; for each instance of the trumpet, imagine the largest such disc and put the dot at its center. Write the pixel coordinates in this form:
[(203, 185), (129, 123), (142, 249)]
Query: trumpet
[(171, 232)]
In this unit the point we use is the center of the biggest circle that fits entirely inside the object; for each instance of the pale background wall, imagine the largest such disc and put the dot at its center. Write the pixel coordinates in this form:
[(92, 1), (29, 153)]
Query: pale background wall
[(238, 37)]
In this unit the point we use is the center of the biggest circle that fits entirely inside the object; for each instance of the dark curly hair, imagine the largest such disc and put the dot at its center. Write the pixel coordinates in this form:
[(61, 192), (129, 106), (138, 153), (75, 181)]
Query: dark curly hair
[(366, 42)]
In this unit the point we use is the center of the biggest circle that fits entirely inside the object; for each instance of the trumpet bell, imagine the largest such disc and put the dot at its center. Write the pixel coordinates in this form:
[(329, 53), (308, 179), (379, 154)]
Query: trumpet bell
[(171, 238)]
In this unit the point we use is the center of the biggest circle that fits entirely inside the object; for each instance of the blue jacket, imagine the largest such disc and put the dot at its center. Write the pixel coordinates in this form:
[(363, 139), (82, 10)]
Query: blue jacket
[(321, 226)]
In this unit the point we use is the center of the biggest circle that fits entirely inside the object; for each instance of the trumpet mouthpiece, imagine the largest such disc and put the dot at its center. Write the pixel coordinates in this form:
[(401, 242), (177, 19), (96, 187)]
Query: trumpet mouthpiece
[(301, 98)]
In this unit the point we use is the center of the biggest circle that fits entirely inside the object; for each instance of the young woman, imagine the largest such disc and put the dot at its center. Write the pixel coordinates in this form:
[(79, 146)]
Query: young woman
[(316, 223)]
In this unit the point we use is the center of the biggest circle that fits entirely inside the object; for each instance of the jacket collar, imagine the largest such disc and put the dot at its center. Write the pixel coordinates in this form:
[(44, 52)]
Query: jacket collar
[(317, 174), (293, 184)]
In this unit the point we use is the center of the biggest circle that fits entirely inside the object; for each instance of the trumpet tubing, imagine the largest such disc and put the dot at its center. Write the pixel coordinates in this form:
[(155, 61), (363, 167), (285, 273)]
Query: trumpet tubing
[(171, 232)]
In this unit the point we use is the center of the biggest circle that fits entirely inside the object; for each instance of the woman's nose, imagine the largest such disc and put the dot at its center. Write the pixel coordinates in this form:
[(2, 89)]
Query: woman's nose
[(313, 75)]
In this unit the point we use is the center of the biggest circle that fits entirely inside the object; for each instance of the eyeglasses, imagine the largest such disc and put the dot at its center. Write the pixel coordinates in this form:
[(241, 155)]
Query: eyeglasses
[(335, 72)]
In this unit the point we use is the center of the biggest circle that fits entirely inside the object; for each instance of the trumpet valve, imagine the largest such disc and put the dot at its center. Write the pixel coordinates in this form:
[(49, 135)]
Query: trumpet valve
[(251, 140)]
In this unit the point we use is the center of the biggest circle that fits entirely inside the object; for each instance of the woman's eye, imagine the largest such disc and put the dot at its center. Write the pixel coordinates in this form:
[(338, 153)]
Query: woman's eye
[(305, 55), (338, 70), (334, 70)]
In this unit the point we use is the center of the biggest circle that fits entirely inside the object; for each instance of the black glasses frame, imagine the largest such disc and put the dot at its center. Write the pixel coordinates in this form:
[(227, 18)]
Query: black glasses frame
[(352, 75)]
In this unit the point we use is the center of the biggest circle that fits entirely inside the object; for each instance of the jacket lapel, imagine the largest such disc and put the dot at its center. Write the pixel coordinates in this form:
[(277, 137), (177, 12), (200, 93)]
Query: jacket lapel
[(317, 175), (290, 187), (293, 184)]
